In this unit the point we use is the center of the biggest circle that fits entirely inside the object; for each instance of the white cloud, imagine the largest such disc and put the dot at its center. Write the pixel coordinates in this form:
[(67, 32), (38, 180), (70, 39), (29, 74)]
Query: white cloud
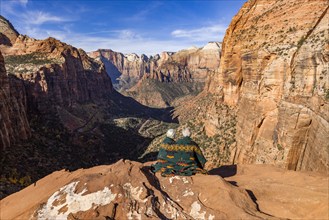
[(23, 2), (124, 41), (139, 46), (31, 22), (214, 32), (128, 34), (8, 7), (40, 17), (142, 14)]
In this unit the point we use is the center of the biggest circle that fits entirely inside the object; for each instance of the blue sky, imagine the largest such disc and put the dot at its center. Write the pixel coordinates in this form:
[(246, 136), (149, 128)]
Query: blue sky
[(126, 26)]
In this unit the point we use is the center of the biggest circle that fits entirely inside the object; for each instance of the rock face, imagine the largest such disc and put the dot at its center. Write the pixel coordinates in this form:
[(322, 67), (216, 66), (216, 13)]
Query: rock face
[(8, 34), (123, 70), (161, 80), (13, 118), (193, 64), (186, 65), (274, 72), (56, 73), (128, 190), (304, 194)]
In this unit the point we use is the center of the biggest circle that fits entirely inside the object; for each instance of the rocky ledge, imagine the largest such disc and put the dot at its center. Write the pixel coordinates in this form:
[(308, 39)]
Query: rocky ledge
[(128, 190)]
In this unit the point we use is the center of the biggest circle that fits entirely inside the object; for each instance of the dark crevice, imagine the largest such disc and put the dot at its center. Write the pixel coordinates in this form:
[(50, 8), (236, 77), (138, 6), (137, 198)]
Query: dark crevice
[(254, 199), (154, 181), (305, 37)]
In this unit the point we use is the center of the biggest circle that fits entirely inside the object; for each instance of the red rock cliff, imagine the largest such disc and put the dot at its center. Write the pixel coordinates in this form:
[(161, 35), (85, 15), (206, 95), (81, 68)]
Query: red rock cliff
[(56, 73), (274, 71), (193, 64), (13, 119)]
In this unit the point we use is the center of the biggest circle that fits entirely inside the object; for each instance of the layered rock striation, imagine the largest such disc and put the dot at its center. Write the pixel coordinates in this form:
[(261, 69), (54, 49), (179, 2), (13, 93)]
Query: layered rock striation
[(14, 124), (161, 80), (56, 73), (274, 72), (192, 64)]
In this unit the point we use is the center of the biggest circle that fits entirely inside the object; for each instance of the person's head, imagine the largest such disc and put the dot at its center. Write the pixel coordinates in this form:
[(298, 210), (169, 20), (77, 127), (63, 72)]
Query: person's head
[(171, 133), (186, 132)]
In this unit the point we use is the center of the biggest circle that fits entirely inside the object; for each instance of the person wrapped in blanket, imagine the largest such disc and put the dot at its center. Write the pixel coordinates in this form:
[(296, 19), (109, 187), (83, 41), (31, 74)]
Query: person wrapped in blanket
[(183, 157)]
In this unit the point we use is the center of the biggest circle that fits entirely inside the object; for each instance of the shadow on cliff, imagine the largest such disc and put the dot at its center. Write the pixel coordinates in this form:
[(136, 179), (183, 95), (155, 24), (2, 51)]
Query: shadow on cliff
[(52, 147), (124, 106), (44, 153)]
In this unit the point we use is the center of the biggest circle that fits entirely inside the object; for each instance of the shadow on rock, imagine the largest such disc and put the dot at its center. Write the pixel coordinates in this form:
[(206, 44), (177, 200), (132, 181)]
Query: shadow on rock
[(224, 171)]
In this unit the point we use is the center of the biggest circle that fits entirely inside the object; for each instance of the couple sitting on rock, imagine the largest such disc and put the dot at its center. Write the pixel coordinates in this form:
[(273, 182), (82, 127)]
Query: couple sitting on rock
[(183, 157)]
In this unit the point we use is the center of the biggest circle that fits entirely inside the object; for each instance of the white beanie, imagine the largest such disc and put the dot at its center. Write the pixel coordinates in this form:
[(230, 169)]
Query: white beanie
[(186, 132), (171, 133)]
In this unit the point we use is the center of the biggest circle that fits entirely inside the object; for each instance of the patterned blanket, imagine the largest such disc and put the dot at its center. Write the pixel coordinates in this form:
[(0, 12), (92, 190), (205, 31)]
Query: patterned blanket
[(182, 158)]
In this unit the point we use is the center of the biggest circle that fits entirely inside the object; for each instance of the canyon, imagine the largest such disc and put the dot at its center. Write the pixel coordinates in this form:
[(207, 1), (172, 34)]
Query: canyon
[(161, 80), (59, 110), (257, 104)]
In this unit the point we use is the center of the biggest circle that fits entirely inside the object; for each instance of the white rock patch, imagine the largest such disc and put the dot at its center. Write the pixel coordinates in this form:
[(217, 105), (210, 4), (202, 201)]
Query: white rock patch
[(188, 192), (195, 211), (134, 215), (172, 211), (185, 180), (171, 179), (73, 202), (212, 46), (134, 192)]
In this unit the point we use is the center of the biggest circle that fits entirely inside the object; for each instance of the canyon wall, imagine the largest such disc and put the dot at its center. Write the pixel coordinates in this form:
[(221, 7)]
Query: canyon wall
[(8, 34), (188, 65), (55, 73), (162, 80), (274, 72), (13, 118)]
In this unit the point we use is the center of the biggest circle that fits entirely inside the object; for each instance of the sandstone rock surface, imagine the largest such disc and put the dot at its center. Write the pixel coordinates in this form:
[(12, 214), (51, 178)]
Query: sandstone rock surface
[(8, 34), (127, 190), (56, 73), (274, 72)]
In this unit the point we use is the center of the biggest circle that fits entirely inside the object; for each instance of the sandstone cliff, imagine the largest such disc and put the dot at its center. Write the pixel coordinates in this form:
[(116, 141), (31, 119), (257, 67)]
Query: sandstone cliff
[(56, 73), (185, 65), (274, 74), (8, 34), (128, 190), (138, 77), (13, 118)]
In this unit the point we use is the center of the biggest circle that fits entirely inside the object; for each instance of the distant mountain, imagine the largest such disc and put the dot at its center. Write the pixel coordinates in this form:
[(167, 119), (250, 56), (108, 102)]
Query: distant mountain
[(185, 71)]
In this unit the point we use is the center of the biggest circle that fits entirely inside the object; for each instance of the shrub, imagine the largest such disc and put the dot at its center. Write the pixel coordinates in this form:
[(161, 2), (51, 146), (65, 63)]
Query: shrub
[(301, 41), (31, 58), (327, 95)]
